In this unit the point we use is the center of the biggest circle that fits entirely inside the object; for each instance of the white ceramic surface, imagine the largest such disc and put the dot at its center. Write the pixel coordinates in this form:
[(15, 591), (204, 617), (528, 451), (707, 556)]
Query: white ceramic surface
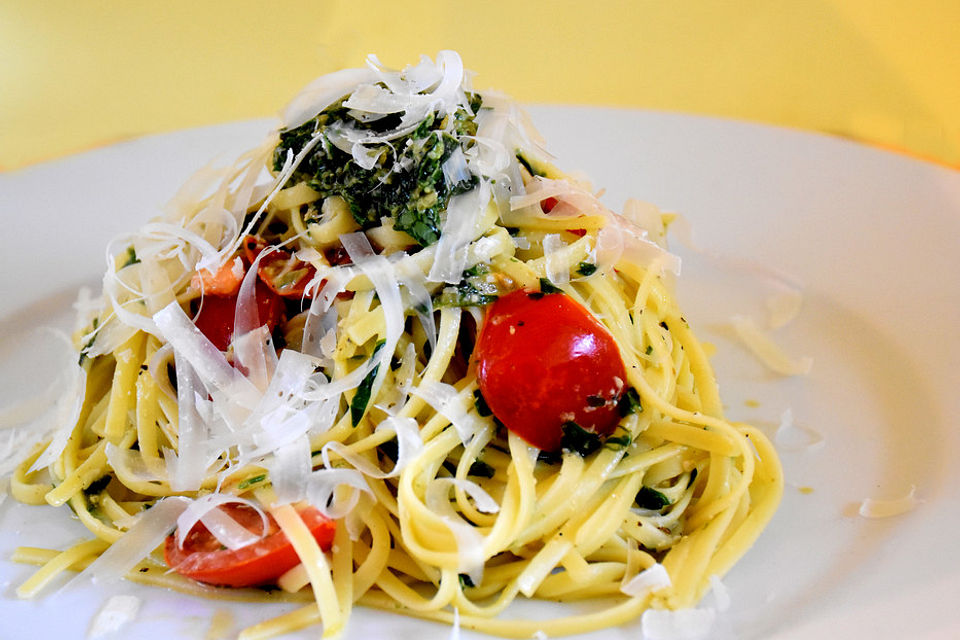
[(872, 237)]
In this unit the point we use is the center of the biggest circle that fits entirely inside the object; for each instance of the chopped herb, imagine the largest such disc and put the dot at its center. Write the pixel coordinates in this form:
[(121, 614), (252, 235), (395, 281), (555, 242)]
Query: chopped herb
[(131, 258), (529, 167), (587, 269), (406, 182), (620, 441), (629, 402), (389, 450), (577, 439), (536, 295), (465, 294), (549, 457), (483, 409), (648, 498), (664, 325), (548, 287), (89, 344), (481, 469), (465, 581), (358, 406), (596, 401), (475, 289), (479, 269), (649, 349), (252, 481), (97, 485)]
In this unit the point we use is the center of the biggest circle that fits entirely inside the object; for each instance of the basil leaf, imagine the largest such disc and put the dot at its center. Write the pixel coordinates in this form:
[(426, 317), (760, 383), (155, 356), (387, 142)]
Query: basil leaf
[(358, 406)]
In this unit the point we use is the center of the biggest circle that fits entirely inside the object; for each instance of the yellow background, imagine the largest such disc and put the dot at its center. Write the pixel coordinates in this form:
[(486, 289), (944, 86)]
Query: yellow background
[(74, 74)]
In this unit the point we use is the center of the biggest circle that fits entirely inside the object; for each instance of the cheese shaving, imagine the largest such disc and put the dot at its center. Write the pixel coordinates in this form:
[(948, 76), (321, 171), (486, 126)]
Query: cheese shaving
[(650, 580), (873, 508), (766, 350), (683, 624), (793, 437), (118, 612)]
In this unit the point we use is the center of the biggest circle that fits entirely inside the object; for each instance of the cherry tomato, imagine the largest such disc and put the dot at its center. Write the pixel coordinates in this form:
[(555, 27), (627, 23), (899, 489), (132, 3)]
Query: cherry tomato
[(225, 282), (547, 204), (252, 246), (202, 557), (542, 361), (285, 274), (217, 314)]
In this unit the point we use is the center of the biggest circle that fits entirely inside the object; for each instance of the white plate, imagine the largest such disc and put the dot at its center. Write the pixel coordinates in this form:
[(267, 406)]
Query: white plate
[(873, 237)]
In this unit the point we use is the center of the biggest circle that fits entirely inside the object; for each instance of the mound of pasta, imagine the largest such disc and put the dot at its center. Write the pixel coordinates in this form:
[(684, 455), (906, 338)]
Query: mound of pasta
[(394, 357)]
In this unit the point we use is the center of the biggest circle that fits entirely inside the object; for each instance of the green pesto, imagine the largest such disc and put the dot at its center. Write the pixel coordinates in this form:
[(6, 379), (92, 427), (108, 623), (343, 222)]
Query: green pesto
[(406, 184)]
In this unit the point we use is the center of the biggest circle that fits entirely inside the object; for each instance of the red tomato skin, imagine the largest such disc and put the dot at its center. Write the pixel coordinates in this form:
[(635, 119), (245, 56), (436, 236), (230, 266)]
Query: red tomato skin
[(543, 360), (216, 317), (202, 559), (277, 262)]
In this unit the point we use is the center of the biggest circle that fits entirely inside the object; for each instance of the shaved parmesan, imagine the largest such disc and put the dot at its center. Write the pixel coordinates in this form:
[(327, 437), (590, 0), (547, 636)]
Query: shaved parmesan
[(289, 470), (226, 530), (783, 307), (464, 213), (452, 405), (469, 541), (323, 491), (683, 624), (52, 413), (557, 271), (321, 93), (871, 508), (409, 444), (118, 612), (147, 533), (793, 437), (652, 579), (719, 593), (767, 351)]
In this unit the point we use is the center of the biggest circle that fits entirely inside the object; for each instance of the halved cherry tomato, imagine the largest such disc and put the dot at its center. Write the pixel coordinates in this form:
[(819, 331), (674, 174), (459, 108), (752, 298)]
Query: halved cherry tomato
[(279, 269), (285, 274), (542, 361), (225, 282), (203, 559), (547, 204), (217, 314)]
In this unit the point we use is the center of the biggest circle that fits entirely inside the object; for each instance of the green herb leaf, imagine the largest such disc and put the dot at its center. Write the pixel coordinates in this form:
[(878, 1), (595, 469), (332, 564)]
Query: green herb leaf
[(587, 269), (251, 481), (97, 485), (548, 287), (131, 258), (648, 498), (577, 439), (481, 469), (629, 402), (465, 581), (358, 406), (483, 409), (620, 441)]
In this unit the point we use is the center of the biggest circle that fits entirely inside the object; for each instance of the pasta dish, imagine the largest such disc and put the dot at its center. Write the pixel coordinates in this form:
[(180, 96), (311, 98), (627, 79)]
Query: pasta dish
[(394, 357)]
